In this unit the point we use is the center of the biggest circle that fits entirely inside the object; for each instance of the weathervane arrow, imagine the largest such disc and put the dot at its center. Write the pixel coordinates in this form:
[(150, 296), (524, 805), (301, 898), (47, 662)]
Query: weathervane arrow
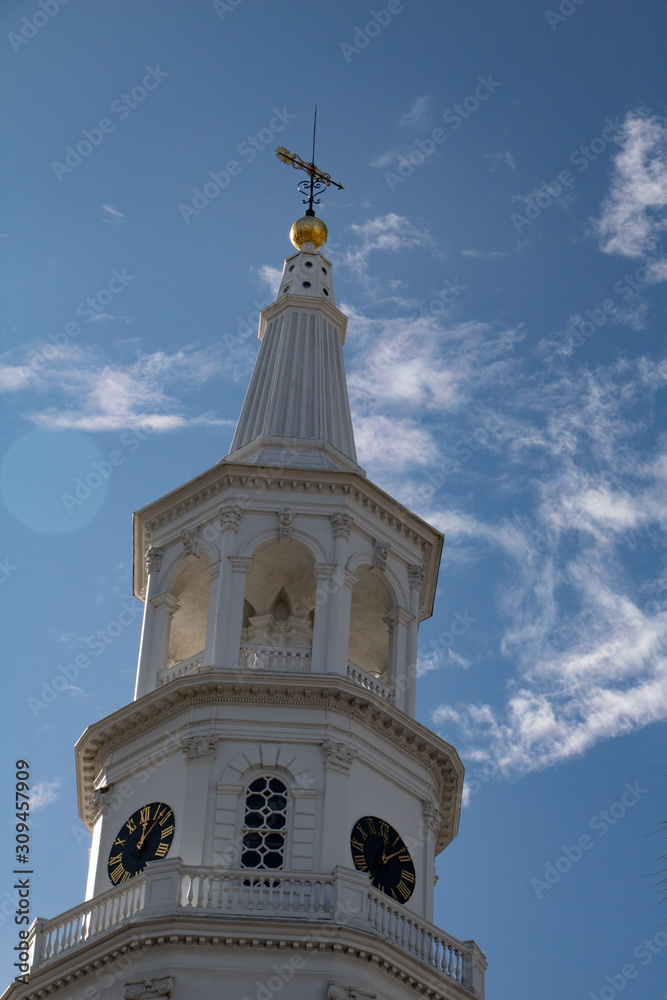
[(317, 181)]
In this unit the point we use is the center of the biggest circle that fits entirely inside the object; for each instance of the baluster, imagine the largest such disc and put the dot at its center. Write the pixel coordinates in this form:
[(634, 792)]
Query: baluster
[(452, 962), (458, 973)]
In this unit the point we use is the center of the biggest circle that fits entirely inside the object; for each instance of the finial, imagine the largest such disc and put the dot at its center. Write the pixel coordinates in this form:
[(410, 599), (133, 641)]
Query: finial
[(308, 229)]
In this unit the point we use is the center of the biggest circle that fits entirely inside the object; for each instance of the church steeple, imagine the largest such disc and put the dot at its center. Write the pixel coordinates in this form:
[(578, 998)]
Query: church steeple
[(296, 412)]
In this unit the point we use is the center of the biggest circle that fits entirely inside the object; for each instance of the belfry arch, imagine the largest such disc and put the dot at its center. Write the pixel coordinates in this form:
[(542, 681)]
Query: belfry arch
[(372, 600), (280, 592), (190, 585)]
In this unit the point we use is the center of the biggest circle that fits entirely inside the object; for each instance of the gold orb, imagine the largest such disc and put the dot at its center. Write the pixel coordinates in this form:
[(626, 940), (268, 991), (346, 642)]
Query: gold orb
[(309, 229)]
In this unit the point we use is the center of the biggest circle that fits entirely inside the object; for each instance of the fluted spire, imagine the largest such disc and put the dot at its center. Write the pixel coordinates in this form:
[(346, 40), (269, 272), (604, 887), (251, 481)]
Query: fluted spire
[(296, 411)]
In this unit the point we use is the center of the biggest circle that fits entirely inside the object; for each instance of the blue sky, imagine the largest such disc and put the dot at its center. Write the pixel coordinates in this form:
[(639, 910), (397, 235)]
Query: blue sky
[(499, 248)]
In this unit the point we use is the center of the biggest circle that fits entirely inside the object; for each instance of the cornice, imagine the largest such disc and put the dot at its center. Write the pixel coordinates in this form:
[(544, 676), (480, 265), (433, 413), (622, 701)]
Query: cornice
[(144, 935), (350, 486), (326, 692)]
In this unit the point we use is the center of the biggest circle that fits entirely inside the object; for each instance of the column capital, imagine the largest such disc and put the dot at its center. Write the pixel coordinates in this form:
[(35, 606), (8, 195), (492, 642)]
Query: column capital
[(416, 576), (285, 522), (324, 570), (341, 524), (400, 616), (380, 553), (338, 756), (167, 601), (200, 748), (213, 569), (230, 516), (240, 564), (153, 558)]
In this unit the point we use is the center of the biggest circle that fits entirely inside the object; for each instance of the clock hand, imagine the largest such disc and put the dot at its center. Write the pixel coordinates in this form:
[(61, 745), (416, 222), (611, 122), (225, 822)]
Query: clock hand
[(145, 834), (386, 858)]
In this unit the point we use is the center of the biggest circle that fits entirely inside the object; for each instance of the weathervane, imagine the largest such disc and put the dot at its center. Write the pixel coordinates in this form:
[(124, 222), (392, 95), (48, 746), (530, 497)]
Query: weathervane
[(317, 181)]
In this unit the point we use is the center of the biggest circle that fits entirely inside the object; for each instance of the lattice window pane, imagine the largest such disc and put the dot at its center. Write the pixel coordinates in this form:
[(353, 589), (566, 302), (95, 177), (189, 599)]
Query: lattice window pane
[(265, 816)]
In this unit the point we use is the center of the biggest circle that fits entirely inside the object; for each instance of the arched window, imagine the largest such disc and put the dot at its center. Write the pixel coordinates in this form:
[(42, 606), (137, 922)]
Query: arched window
[(264, 824)]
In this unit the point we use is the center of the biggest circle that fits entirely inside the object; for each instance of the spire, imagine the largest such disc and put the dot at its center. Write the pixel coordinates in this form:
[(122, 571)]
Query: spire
[(296, 411)]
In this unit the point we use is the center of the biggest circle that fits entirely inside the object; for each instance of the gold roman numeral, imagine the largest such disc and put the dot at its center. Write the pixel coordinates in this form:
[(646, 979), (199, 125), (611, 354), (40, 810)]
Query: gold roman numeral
[(117, 873), (408, 876), (131, 825), (403, 889), (145, 815), (358, 844), (371, 825), (360, 862), (167, 831), (118, 841), (161, 850), (117, 859)]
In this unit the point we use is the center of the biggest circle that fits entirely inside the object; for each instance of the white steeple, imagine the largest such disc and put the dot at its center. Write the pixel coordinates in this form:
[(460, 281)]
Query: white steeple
[(296, 412), (267, 810)]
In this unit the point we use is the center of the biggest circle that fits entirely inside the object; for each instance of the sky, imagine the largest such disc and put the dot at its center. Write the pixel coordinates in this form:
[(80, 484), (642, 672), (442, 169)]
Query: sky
[(500, 250)]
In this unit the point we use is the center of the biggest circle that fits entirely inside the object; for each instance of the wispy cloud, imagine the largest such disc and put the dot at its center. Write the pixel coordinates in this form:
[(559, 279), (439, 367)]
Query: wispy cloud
[(418, 115), (92, 395), (634, 214), (385, 232), (504, 157), (270, 276), (113, 215), (43, 794), (578, 500)]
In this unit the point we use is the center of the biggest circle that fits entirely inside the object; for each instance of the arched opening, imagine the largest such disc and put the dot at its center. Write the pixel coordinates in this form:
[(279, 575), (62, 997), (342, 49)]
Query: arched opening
[(279, 607), (369, 633), (191, 587)]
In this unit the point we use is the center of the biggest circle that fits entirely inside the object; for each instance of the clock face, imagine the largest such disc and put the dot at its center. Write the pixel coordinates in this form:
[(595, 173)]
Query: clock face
[(378, 850), (145, 836)]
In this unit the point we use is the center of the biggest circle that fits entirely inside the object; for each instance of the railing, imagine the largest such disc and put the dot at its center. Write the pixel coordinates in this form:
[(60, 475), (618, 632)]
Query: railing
[(272, 892), (404, 930), (170, 889), (184, 667), (369, 682), (264, 658), (85, 923)]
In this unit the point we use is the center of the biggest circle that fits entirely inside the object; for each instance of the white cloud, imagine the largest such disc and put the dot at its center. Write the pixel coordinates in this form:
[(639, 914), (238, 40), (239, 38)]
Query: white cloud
[(586, 639), (418, 115), (113, 215), (634, 214), (43, 794), (97, 396), (385, 232), (271, 277)]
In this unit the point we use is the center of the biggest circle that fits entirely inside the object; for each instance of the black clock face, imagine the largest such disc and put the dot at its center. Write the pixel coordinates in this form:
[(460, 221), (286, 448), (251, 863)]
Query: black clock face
[(146, 835), (378, 850)]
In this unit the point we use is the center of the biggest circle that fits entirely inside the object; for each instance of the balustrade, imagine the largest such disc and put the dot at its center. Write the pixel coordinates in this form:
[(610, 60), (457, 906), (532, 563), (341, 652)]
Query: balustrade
[(251, 892)]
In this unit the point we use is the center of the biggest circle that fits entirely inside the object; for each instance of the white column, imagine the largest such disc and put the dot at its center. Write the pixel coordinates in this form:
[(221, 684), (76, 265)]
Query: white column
[(162, 607), (230, 518), (339, 604), (321, 632), (416, 581), (214, 572), (153, 564), (240, 566), (398, 620)]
